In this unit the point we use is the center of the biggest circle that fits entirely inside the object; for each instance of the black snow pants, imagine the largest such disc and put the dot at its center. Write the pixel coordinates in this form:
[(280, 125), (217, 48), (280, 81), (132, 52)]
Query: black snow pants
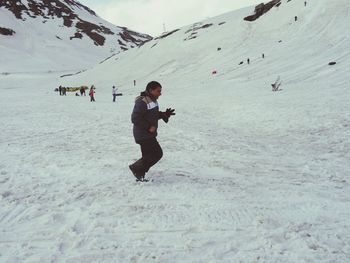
[(151, 154)]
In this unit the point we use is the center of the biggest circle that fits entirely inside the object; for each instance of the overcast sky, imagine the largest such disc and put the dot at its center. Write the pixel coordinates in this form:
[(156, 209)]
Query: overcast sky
[(149, 16)]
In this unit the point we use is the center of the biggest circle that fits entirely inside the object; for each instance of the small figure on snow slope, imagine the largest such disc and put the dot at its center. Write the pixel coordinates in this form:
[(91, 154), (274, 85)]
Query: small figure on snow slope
[(114, 92), (91, 93)]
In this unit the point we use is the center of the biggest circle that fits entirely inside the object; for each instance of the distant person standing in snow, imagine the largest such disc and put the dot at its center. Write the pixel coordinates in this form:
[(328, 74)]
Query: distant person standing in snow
[(91, 93), (248, 60), (114, 92), (145, 118), (60, 90), (82, 91)]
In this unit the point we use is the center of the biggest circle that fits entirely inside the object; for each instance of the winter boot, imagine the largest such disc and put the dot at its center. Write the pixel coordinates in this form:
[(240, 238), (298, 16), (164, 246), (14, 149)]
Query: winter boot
[(136, 169)]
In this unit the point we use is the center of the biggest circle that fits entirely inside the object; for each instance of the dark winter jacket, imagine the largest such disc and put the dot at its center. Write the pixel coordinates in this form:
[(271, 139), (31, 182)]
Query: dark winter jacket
[(145, 114)]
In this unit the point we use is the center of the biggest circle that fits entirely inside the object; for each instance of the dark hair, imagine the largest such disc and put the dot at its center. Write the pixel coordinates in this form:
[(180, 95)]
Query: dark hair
[(153, 85)]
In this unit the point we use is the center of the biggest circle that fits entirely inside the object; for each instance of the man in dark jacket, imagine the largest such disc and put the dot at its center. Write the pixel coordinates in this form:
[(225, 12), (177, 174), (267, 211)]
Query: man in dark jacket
[(145, 118)]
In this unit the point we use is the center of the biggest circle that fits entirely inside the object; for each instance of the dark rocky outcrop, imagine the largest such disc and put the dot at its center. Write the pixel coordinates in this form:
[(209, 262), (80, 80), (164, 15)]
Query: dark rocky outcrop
[(93, 31), (65, 9), (77, 35), (6, 31), (120, 43), (45, 8), (262, 9), (16, 7), (198, 26), (164, 35), (194, 30), (134, 37)]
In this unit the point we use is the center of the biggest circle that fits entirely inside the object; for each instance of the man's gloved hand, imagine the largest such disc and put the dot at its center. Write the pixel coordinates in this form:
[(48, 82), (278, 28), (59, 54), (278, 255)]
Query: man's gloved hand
[(165, 115), (169, 112)]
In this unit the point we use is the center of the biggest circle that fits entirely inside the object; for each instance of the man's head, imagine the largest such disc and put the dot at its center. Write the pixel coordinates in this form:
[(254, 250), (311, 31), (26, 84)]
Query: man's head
[(154, 89)]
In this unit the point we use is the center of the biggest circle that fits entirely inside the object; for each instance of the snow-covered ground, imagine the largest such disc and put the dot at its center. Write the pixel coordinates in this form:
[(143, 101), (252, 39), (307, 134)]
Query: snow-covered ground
[(248, 175)]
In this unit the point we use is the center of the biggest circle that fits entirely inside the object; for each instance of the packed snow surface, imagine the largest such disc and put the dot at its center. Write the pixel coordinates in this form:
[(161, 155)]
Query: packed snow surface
[(248, 175)]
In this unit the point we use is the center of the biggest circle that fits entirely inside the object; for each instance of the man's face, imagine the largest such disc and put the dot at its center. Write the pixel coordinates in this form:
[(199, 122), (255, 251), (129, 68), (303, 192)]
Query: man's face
[(156, 92)]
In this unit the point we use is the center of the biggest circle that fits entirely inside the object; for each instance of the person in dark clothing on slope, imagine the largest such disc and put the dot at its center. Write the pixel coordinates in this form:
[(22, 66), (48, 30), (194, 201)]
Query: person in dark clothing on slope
[(82, 91), (114, 93), (145, 118), (91, 93)]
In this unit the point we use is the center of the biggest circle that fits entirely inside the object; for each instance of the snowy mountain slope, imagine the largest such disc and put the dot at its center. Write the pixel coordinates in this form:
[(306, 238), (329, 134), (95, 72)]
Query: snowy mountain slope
[(50, 35), (248, 175), (287, 44)]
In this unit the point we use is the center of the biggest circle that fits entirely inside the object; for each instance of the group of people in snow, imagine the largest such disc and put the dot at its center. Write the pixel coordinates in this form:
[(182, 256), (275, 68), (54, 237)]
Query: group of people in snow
[(63, 92)]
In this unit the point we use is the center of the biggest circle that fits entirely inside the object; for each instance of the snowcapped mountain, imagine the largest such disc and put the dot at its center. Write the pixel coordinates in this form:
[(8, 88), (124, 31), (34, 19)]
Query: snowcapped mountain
[(298, 39), (56, 35)]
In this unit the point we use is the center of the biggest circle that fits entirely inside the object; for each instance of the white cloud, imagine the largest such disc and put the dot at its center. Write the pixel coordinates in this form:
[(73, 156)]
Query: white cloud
[(148, 16)]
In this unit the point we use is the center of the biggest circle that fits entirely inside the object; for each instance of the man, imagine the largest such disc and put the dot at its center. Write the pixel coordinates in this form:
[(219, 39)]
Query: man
[(145, 118), (114, 93), (82, 91)]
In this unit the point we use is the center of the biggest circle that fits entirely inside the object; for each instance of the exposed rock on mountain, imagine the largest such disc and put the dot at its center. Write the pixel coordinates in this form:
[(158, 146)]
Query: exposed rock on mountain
[(45, 28), (6, 31), (67, 11), (262, 9)]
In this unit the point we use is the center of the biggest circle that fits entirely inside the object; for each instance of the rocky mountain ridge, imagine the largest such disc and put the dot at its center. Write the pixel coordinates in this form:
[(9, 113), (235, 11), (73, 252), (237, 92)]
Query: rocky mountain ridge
[(67, 11)]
